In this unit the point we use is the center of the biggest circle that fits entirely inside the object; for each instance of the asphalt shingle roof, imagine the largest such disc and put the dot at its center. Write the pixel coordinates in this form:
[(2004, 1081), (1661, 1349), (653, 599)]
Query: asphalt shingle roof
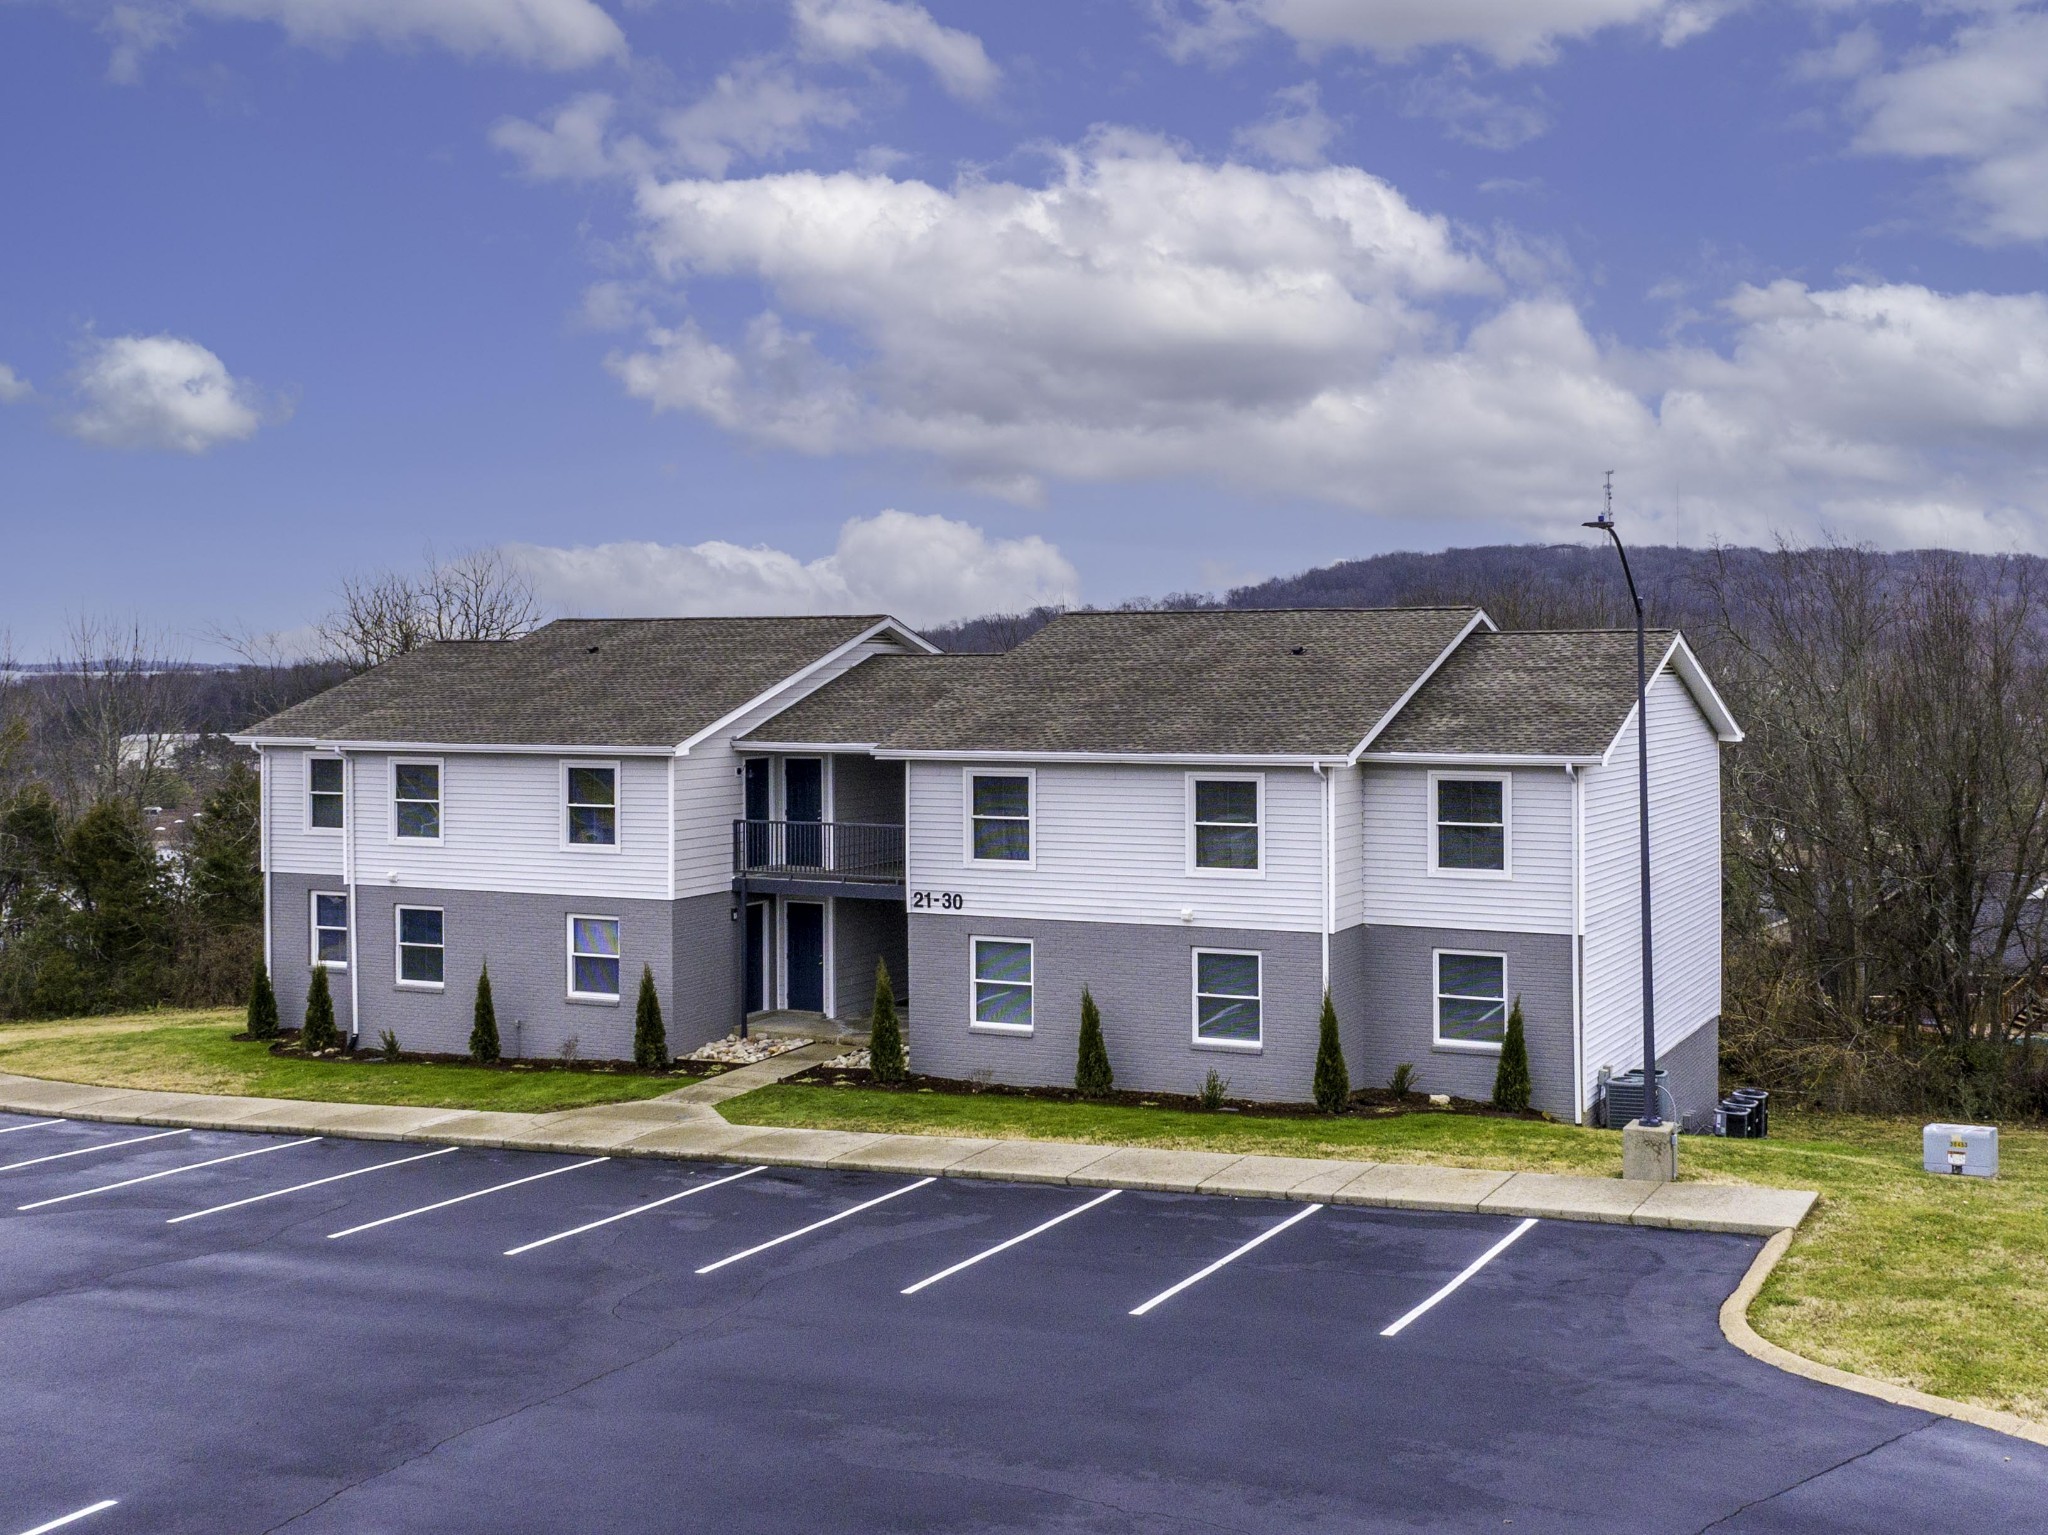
[(578, 681), (868, 704), (1539, 693)]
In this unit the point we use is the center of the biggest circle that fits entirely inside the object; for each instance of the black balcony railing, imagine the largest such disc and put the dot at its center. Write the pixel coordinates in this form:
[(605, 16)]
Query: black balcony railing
[(855, 852)]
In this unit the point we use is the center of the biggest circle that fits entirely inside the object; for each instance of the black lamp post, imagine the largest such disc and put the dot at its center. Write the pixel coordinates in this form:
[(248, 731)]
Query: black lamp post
[(1604, 523)]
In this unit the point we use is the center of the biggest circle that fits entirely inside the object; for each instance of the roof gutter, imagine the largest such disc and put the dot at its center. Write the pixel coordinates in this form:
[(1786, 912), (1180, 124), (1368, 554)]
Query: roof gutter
[(1160, 758), (581, 748), (1489, 759)]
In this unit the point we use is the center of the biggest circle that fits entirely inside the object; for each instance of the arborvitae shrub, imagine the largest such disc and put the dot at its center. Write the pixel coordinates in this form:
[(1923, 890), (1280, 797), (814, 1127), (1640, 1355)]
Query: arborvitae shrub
[(318, 1032), (1092, 1076), (650, 1039), (885, 1032), (1511, 1078), (483, 1030), (1333, 1080), (262, 1005)]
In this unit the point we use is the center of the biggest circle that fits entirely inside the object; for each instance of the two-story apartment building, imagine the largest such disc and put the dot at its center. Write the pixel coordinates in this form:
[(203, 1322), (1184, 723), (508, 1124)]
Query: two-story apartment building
[(1205, 818)]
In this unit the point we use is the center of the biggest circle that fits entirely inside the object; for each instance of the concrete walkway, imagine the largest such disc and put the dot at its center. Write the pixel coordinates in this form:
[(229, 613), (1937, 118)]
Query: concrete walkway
[(687, 1124)]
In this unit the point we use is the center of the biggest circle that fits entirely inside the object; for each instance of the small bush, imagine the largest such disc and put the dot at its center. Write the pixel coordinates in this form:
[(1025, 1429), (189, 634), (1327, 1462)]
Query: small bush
[(650, 1039), (318, 1033), (262, 1005), (483, 1030), (1333, 1080), (570, 1046), (1214, 1089), (1401, 1083), (1092, 1075), (885, 1033), (1511, 1078), (387, 1042)]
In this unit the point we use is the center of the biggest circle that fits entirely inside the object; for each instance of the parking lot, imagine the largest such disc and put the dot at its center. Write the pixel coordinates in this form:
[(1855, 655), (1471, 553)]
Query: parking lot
[(216, 1332)]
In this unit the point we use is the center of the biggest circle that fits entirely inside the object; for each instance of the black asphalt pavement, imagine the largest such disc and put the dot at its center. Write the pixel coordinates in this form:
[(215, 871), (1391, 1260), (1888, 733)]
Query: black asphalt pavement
[(247, 1370)]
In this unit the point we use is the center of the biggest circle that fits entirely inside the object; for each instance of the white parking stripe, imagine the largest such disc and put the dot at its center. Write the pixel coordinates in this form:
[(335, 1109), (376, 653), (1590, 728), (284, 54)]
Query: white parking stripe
[(134, 1140), (57, 1524), (39, 1124), (255, 1199), (990, 1252), (656, 1204), (815, 1226), (406, 1215), (1471, 1268), (169, 1172), (1228, 1258)]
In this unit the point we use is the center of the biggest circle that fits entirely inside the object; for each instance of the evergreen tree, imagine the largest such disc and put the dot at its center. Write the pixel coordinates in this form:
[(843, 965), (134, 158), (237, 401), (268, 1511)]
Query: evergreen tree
[(483, 1033), (1092, 1076), (318, 1033), (885, 1032), (650, 1039), (1332, 1080), (221, 857), (262, 1005), (1511, 1077), (121, 913)]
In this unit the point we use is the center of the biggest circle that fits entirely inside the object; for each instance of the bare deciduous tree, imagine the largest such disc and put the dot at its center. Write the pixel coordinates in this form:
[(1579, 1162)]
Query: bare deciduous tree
[(480, 595), (118, 709)]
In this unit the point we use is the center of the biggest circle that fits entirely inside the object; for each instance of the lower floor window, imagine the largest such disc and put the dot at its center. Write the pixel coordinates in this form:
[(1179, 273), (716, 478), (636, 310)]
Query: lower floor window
[(1002, 983), (1226, 997), (594, 957), (421, 950), (1471, 998), (330, 930)]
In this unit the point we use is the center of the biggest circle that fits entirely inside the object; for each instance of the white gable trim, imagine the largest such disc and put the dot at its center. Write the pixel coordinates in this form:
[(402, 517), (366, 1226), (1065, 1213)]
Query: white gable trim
[(901, 630), (1684, 665), (1479, 616)]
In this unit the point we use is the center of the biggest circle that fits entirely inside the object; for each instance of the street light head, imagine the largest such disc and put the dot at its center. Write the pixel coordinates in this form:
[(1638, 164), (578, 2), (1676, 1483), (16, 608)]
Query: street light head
[(1600, 524)]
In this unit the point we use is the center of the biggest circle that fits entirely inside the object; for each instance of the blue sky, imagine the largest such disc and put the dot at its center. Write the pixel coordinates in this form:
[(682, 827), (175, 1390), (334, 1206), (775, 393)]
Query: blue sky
[(695, 306)]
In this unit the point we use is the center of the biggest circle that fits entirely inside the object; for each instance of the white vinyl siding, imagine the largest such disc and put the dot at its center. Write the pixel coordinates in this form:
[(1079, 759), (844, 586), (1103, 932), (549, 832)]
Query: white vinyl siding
[(1347, 813), (293, 846), (1685, 885), (501, 829), (1399, 821), (1109, 844)]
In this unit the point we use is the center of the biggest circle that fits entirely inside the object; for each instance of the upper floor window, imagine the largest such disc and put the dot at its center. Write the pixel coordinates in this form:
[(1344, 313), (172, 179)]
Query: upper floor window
[(330, 929), (1471, 831), (999, 816), (1227, 999), (1225, 822), (1471, 1000), (416, 800), (590, 793), (324, 793)]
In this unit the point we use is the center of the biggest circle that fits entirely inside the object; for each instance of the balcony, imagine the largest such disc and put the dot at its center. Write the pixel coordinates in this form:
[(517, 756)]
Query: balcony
[(851, 858)]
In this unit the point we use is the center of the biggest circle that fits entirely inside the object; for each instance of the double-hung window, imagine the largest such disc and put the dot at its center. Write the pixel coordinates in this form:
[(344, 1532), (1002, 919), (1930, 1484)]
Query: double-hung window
[(330, 929), (1002, 985), (422, 948), (1227, 999), (1471, 1000), (416, 801), (1224, 822), (999, 817), (1470, 835), (590, 804), (594, 958), (324, 807)]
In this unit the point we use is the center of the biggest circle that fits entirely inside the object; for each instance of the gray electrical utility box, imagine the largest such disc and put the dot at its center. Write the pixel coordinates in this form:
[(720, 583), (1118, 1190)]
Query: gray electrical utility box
[(1968, 1150)]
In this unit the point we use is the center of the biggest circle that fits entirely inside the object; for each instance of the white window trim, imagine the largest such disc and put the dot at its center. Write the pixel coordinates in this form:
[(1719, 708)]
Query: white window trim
[(306, 798), (1507, 824), (1258, 870), (562, 800), (439, 765), (1436, 1000), (313, 928), (398, 947), (974, 1024), (984, 770), (569, 957), (1195, 995)]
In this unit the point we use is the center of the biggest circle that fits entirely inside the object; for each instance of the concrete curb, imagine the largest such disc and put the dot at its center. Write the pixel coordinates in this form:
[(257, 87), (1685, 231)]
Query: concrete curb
[(1735, 1327)]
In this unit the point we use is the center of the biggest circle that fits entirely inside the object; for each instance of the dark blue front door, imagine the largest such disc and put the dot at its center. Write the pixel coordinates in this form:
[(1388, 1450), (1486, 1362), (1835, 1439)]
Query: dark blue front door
[(803, 807), (805, 922)]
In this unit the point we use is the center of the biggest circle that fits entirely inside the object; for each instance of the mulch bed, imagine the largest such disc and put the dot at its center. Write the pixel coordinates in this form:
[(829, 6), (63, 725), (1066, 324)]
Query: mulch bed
[(287, 1046)]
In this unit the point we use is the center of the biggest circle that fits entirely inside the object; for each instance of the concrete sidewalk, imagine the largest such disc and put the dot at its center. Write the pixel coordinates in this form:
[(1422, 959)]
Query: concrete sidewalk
[(686, 1124)]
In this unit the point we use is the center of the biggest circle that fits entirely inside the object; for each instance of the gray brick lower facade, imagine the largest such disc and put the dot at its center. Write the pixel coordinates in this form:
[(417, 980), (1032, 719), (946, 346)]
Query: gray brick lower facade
[(291, 948), (1694, 1076)]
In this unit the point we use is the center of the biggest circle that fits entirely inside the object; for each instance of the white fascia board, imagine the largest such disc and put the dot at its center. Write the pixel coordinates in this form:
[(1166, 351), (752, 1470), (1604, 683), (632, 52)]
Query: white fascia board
[(1156, 759), (1479, 616), (439, 748), (769, 695), (1683, 664), (804, 748), (1481, 759)]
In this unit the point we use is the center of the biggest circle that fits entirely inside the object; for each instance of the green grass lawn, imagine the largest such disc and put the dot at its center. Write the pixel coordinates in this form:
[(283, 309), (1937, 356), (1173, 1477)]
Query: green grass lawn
[(1938, 1283), (193, 1052)]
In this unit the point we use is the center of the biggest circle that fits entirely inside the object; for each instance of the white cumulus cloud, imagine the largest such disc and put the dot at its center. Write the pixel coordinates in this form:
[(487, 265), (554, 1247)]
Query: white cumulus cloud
[(923, 569), (849, 31), (1295, 132), (13, 386), (160, 392)]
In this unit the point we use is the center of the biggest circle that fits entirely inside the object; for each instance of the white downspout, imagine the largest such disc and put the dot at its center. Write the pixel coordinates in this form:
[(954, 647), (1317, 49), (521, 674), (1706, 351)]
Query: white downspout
[(1329, 867), (348, 879), (672, 840), (1578, 784), (265, 809)]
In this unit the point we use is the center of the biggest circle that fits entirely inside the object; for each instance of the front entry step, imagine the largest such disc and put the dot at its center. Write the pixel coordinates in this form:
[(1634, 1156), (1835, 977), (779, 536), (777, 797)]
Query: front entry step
[(790, 1023)]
